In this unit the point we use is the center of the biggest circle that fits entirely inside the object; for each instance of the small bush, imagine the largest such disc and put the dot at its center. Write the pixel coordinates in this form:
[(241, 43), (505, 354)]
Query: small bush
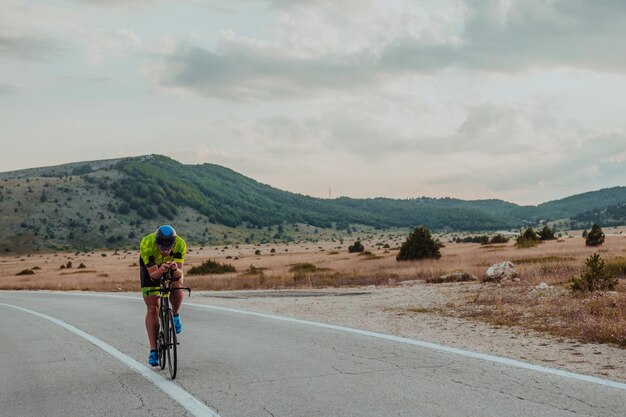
[(26, 272), (253, 270), (257, 252), (81, 266), (527, 239), (419, 245), (369, 255), (69, 264), (482, 239), (595, 237), (303, 267), (211, 267), (597, 277), (499, 239), (357, 247)]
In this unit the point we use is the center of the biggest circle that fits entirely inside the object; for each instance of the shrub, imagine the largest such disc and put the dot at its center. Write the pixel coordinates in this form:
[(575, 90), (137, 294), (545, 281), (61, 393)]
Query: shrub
[(303, 267), (257, 252), (123, 208), (597, 277), (419, 245), (81, 266), (595, 237), (26, 272), (546, 233), (357, 247), (211, 267), (483, 239), (527, 239), (585, 233), (253, 270), (499, 239)]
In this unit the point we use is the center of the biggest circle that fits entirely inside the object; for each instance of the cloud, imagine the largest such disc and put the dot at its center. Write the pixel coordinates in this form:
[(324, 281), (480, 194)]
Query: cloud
[(29, 47), (243, 72), (123, 4), (321, 46), (535, 33), (581, 162), (490, 130), (119, 43), (7, 89)]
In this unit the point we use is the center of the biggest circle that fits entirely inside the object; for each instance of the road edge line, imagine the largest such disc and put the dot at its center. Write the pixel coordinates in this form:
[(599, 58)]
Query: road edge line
[(182, 397)]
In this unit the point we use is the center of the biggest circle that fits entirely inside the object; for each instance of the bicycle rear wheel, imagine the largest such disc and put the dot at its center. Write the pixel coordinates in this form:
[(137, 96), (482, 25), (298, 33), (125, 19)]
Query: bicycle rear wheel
[(170, 332)]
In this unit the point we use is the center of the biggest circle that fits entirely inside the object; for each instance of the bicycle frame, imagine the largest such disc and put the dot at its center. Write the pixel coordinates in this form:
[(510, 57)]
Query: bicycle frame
[(166, 338)]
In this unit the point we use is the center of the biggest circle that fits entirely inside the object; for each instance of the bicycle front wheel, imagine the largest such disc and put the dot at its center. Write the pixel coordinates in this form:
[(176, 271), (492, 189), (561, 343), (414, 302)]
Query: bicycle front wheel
[(170, 337), (162, 341)]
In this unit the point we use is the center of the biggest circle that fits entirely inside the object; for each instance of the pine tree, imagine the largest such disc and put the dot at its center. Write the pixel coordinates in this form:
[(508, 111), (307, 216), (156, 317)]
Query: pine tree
[(419, 245), (595, 237), (597, 277)]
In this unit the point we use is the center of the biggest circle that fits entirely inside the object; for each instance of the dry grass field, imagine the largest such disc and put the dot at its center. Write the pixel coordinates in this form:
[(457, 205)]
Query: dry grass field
[(557, 310)]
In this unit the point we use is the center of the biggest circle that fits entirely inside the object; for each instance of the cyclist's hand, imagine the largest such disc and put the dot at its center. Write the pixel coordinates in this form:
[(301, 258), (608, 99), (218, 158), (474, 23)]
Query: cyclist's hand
[(164, 267), (173, 266)]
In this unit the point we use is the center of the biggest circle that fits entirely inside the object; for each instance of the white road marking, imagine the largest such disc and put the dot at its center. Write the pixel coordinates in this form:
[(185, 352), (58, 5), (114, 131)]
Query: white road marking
[(185, 399), (442, 348)]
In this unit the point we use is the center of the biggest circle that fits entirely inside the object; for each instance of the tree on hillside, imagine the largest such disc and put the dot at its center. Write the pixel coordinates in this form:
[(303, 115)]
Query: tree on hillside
[(419, 245), (595, 237)]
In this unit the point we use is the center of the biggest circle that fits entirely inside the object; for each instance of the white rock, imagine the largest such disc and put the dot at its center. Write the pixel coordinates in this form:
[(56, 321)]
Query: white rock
[(500, 272)]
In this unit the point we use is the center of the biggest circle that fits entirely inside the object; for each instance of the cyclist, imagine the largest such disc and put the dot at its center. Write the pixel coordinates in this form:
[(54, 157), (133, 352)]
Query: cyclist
[(160, 251)]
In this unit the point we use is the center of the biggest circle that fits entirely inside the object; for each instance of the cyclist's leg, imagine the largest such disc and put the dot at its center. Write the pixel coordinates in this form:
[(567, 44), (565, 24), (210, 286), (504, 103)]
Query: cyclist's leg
[(152, 319), (151, 300), (176, 297)]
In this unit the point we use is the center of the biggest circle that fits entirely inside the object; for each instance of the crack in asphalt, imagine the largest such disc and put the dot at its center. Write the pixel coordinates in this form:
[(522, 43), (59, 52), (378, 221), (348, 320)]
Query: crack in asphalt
[(268, 411)]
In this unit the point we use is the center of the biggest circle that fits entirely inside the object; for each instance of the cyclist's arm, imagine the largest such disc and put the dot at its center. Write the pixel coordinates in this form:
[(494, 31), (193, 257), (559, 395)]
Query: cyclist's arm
[(156, 272), (177, 270)]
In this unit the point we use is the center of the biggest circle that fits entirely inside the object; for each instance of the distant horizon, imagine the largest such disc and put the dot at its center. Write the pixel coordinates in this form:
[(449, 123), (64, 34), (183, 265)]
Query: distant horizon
[(296, 192)]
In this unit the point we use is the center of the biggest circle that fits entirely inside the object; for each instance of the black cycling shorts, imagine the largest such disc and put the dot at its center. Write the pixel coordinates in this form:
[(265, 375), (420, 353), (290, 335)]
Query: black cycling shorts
[(146, 281)]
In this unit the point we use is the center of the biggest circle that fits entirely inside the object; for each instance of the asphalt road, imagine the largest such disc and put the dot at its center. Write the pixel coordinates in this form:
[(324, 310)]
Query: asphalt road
[(233, 364)]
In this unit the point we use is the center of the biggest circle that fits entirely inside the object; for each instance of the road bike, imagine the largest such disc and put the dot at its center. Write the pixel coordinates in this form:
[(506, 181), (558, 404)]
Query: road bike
[(166, 338)]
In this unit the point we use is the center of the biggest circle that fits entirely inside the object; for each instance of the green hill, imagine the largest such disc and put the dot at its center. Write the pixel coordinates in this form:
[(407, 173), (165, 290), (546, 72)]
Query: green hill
[(112, 203)]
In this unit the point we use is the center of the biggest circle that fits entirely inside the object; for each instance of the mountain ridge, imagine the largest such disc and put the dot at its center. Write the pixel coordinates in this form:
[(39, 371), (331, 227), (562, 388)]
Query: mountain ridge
[(112, 202)]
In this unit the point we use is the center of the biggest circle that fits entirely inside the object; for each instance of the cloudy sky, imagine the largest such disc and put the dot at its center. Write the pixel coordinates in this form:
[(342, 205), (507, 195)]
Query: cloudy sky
[(522, 100)]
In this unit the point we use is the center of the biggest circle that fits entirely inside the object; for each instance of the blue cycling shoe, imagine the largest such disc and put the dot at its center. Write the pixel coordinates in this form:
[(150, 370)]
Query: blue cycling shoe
[(177, 324), (153, 359)]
